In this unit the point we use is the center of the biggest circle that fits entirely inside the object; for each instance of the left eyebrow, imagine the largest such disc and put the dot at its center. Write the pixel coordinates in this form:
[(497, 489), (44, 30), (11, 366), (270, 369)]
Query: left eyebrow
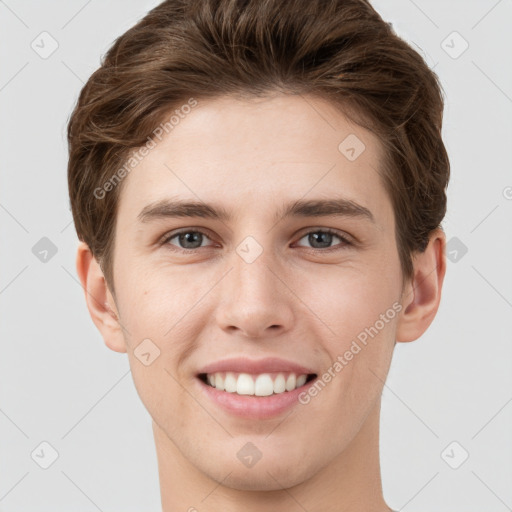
[(336, 207)]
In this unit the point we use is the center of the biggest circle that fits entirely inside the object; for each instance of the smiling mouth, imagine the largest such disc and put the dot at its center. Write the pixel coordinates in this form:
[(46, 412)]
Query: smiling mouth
[(262, 384)]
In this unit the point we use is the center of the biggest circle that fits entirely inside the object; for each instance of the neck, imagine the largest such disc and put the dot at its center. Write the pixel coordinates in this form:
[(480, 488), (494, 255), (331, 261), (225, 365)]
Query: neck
[(348, 482)]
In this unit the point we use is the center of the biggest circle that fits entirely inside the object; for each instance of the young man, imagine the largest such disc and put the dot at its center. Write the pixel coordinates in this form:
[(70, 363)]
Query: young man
[(258, 188)]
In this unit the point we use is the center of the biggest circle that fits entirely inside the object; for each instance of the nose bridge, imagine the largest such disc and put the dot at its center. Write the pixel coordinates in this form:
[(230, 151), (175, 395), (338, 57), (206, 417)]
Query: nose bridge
[(251, 272), (254, 299)]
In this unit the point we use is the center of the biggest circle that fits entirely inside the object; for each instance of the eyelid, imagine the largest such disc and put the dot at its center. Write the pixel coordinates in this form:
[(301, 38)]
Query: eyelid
[(171, 234), (346, 239)]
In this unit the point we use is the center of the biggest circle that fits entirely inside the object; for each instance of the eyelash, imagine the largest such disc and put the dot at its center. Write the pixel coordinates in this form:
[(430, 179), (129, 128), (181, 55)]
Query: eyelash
[(345, 241)]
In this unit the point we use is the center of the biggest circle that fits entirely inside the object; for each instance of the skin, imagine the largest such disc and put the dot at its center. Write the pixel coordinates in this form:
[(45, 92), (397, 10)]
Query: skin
[(200, 306)]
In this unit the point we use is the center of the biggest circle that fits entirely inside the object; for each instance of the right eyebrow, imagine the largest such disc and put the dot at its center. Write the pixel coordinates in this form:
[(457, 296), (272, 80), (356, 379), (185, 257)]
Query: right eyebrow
[(166, 208)]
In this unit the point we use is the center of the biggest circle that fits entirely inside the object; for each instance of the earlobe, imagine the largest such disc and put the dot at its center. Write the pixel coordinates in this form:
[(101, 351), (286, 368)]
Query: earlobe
[(422, 296), (100, 302)]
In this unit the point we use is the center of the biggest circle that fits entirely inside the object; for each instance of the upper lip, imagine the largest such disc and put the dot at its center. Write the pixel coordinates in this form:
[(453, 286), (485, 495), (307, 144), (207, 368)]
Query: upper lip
[(255, 366)]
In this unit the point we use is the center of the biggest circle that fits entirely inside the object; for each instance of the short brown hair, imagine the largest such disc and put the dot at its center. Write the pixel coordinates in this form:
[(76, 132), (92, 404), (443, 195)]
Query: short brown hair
[(339, 50)]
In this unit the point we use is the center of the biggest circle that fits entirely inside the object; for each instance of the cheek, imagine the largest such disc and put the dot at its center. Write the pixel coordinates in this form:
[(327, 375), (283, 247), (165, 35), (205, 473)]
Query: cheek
[(165, 316), (158, 318), (154, 305), (345, 301), (355, 316)]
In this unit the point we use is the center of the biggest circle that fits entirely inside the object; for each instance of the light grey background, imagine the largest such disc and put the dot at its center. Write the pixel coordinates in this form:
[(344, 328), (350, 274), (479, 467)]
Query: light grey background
[(59, 382)]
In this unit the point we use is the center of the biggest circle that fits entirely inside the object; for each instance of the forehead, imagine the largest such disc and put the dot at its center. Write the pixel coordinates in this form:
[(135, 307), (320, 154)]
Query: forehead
[(257, 154)]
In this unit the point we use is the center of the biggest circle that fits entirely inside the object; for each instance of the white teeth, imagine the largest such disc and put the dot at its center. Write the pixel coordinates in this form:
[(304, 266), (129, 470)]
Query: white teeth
[(219, 381), (301, 380), (245, 384), (264, 384), (291, 382), (280, 384), (230, 383)]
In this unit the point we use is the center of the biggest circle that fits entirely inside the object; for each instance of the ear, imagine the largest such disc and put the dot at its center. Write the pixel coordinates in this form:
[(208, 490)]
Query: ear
[(100, 302), (422, 294)]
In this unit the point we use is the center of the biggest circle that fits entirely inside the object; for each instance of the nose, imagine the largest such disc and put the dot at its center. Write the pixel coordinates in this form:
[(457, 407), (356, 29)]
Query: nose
[(256, 299)]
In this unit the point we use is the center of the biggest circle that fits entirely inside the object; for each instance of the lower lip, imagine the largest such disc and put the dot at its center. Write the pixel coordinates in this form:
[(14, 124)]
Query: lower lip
[(254, 407)]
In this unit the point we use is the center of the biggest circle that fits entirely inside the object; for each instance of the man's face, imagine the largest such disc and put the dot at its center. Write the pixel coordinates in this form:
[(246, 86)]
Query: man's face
[(259, 287)]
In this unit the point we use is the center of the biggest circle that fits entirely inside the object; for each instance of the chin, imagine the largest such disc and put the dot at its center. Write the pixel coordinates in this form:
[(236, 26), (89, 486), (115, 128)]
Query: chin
[(263, 479), (273, 474)]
